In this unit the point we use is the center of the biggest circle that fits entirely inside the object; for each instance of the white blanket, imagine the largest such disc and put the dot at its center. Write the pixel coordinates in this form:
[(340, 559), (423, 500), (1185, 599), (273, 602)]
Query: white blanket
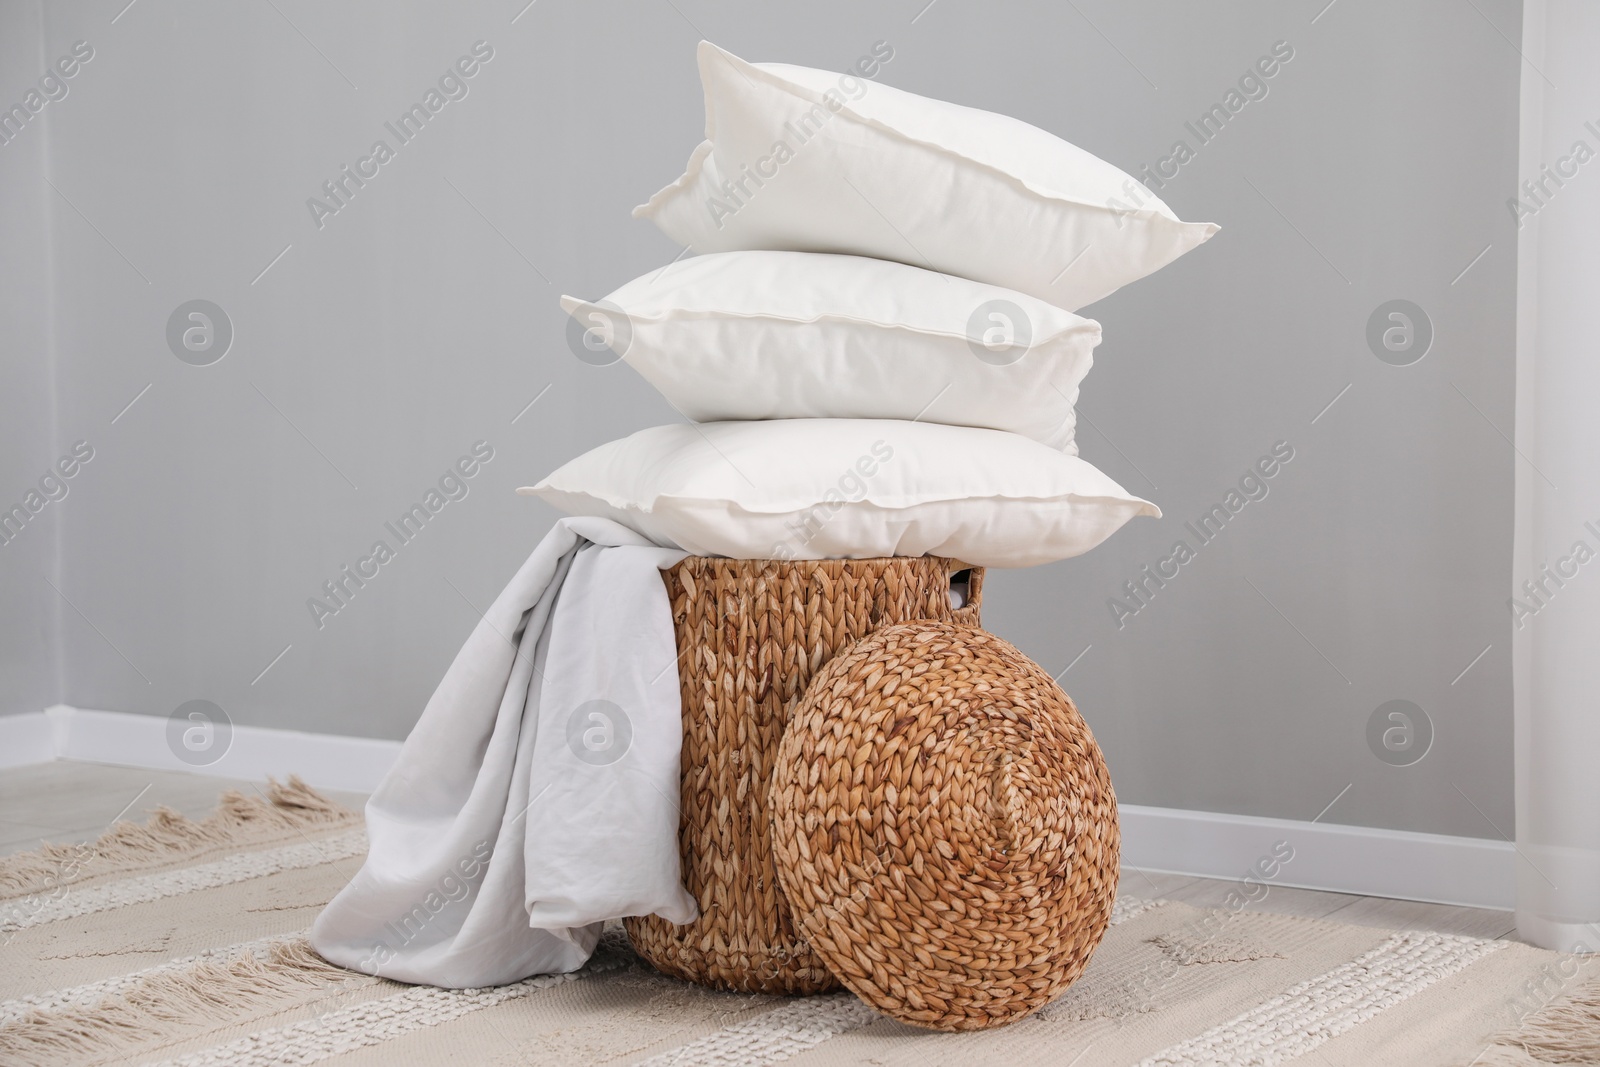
[(538, 794)]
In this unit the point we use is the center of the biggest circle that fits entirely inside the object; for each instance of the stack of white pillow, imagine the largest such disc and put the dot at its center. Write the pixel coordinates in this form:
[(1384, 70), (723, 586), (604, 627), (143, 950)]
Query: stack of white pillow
[(877, 345)]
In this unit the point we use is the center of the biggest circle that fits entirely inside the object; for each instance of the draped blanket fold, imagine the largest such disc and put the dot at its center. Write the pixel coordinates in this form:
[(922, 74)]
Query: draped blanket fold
[(538, 794)]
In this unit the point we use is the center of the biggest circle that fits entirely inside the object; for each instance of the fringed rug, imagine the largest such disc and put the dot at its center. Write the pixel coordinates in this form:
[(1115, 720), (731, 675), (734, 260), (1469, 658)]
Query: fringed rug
[(182, 942)]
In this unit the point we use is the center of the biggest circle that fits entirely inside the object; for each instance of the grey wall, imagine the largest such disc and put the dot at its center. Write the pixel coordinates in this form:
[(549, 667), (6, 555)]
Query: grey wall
[(29, 441), (422, 318)]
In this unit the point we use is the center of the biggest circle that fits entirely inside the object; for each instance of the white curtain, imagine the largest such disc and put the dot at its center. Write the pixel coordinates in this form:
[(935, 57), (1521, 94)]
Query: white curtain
[(1556, 627)]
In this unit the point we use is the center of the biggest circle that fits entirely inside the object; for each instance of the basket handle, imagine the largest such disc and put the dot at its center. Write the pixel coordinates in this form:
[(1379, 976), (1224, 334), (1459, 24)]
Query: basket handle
[(968, 580)]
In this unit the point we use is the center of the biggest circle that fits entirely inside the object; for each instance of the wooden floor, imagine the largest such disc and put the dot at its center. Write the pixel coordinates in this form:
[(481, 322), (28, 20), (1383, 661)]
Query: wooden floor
[(67, 801)]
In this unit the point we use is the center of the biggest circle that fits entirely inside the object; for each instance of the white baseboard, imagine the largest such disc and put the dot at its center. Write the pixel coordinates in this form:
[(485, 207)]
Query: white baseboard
[(322, 760), (1347, 859), (1472, 871)]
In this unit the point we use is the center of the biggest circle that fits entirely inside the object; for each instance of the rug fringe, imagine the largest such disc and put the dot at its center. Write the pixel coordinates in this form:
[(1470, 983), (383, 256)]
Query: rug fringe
[(163, 1006), (1565, 1031), (239, 820)]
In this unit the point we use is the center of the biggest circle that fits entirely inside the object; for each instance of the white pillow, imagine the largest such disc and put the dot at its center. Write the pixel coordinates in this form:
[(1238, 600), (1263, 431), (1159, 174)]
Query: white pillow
[(794, 335), (847, 488), (809, 160)]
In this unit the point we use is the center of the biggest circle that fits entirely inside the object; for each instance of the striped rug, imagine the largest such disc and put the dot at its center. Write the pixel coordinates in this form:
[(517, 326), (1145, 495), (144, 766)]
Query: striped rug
[(182, 942)]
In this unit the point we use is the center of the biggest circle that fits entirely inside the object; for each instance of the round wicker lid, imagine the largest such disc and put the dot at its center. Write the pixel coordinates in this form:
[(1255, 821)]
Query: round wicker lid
[(944, 827)]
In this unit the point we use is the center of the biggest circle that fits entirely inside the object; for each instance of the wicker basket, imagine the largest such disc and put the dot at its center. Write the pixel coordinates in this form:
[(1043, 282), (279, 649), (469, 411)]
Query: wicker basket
[(751, 634)]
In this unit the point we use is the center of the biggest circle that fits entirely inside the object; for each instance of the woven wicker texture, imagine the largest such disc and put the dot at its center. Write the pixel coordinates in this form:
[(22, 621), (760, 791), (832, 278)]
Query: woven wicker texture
[(945, 827), (751, 634)]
